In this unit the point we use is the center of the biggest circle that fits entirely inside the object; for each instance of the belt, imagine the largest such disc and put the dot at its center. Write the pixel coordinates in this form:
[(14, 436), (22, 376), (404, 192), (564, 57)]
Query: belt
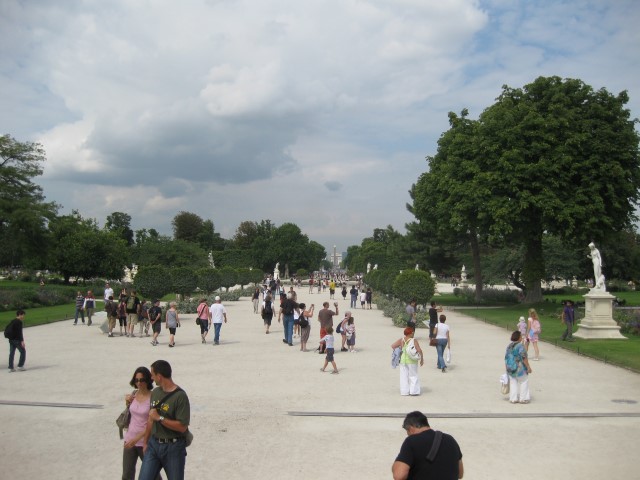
[(167, 440)]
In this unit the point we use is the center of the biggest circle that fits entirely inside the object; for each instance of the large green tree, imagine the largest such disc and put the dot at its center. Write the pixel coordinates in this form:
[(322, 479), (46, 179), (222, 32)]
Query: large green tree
[(24, 214), (120, 223), (448, 199), (79, 248), (561, 157)]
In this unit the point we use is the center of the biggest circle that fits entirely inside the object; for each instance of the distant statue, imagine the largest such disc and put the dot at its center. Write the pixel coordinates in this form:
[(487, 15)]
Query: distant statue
[(368, 267), (463, 274), (375, 267), (417, 266), (212, 263), (598, 277), (276, 272)]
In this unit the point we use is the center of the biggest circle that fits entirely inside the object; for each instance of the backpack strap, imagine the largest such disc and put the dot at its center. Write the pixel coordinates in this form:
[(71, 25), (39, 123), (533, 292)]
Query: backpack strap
[(435, 447)]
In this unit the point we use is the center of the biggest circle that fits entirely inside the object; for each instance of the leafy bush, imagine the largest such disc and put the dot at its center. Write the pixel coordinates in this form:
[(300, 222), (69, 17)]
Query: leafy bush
[(15, 298), (396, 310), (412, 284), (628, 320), (489, 296)]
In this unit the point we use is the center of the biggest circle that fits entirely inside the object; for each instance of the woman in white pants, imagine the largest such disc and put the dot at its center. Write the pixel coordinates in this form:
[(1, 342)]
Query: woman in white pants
[(409, 379), (518, 369)]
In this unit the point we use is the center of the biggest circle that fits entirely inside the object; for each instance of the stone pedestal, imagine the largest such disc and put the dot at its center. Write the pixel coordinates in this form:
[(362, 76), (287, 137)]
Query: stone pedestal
[(598, 322)]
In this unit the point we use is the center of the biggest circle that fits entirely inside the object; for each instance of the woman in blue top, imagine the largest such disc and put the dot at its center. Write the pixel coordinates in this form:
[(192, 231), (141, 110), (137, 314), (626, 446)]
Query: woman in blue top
[(518, 369)]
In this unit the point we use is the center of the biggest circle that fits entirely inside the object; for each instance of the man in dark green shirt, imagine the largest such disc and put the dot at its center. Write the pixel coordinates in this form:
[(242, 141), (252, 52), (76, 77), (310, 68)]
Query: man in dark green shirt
[(164, 441)]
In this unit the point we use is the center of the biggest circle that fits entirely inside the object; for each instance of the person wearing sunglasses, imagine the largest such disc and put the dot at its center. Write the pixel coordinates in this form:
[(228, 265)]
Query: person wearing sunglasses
[(139, 403)]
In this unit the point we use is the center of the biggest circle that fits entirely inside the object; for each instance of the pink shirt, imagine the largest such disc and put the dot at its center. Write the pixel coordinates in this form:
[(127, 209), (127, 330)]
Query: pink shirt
[(139, 416)]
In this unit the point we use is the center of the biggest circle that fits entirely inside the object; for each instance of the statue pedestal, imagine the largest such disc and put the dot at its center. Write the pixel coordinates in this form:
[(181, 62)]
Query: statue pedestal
[(598, 322)]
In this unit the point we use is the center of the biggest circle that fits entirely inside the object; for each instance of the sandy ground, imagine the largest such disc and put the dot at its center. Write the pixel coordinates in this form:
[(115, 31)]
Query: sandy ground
[(243, 393)]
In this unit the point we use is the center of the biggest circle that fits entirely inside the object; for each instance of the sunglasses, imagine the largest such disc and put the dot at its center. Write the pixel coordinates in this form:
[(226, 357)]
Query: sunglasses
[(138, 380)]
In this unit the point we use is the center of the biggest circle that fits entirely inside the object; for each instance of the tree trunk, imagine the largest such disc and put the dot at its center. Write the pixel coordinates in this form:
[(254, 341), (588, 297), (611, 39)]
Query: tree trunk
[(477, 269), (533, 269)]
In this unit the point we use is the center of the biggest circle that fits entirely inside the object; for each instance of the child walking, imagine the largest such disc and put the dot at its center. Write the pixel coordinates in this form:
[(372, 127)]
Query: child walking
[(328, 341)]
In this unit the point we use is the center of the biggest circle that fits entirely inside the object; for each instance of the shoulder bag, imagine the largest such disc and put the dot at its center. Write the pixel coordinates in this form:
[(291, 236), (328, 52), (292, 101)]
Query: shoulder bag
[(124, 418)]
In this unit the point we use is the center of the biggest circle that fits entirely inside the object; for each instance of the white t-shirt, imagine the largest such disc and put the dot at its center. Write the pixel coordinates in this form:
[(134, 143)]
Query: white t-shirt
[(443, 329), (217, 313), (328, 339), (108, 292)]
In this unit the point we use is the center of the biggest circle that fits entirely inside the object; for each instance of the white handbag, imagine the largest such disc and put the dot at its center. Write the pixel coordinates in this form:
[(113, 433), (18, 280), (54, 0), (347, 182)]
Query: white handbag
[(504, 384), (447, 356)]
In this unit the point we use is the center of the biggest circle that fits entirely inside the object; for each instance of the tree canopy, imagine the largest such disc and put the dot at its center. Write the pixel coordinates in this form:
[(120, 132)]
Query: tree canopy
[(554, 156), (24, 214)]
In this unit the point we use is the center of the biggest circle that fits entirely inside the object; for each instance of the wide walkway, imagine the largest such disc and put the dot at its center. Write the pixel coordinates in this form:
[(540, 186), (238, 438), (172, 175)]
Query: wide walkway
[(583, 420)]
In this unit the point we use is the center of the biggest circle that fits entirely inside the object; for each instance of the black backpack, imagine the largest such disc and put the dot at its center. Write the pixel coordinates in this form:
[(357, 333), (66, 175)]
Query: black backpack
[(268, 309), (8, 330)]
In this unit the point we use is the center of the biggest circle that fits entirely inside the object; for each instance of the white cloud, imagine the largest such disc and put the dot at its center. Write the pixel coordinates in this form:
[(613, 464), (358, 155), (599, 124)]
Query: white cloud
[(242, 109)]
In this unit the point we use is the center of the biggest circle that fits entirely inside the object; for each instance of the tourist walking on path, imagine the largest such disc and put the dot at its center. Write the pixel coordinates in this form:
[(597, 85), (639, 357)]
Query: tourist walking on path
[(203, 319), (108, 292), (286, 313), (112, 313), (325, 317), (328, 341), (354, 297), (433, 319), (534, 329), (256, 300), (155, 318), (89, 306), (363, 298), (415, 459), (267, 312), (169, 418), (172, 322), (443, 337), (411, 313), (122, 315), (13, 333), (217, 314), (369, 297), (133, 310), (305, 325), (409, 380), (139, 404), (518, 369), (568, 317), (79, 308)]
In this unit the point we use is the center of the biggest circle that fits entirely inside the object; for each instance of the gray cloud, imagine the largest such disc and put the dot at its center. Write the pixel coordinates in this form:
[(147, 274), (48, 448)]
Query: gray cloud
[(333, 186)]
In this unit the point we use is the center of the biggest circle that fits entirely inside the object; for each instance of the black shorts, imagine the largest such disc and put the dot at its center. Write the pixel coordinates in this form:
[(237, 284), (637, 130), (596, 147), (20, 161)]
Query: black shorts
[(329, 354), (156, 327)]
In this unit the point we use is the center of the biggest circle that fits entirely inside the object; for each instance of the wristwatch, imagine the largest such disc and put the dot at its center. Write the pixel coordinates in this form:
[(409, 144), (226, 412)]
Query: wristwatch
[(160, 419)]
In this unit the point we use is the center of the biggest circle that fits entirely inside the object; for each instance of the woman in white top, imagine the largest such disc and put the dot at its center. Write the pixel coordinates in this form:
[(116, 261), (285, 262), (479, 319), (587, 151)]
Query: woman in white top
[(443, 338)]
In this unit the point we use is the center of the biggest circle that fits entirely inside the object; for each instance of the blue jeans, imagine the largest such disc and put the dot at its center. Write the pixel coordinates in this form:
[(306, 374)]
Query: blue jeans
[(216, 332), (288, 328), (79, 311), (354, 299), (170, 456), (442, 344), (13, 346)]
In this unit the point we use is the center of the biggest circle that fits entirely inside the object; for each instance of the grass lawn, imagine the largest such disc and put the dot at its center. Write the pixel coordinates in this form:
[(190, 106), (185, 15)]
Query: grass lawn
[(624, 353), (40, 316)]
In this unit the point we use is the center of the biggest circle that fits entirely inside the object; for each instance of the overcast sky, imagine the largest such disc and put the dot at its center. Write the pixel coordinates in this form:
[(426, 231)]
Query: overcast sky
[(319, 113)]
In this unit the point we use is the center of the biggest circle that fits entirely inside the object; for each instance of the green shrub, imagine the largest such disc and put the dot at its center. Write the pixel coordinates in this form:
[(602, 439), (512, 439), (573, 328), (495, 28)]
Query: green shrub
[(628, 320), (414, 284), (489, 296)]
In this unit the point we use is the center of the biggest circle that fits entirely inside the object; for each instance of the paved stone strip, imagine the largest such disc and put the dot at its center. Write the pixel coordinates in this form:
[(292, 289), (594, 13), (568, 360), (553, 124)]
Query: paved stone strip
[(50, 404), (470, 415)]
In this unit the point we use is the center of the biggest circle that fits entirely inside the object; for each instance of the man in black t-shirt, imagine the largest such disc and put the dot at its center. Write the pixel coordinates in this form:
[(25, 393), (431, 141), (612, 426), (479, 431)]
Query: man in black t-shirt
[(433, 319), (412, 461)]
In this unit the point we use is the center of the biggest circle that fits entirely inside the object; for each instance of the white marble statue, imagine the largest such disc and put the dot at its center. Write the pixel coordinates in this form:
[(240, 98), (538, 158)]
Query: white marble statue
[(417, 266), (598, 277), (375, 267), (368, 267), (276, 272), (212, 263)]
